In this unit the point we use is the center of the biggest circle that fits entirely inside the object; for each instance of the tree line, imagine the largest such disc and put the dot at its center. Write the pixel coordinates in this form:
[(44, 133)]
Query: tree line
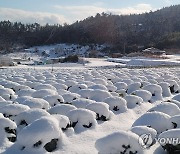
[(131, 32)]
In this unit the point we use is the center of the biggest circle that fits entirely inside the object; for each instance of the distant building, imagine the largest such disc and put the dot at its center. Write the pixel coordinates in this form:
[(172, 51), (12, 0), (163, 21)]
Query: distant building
[(6, 61), (154, 51), (116, 55)]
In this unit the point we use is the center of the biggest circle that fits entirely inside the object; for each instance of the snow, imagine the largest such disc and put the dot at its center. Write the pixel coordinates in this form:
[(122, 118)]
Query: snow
[(29, 116), (101, 109), (165, 87), (98, 86), (155, 90), (176, 97), (45, 86), (140, 130), (13, 109), (119, 142), (99, 95), (82, 102), (54, 100), (68, 98), (132, 87), (144, 94), (61, 109), (173, 133), (157, 120), (133, 101), (43, 92), (7, 133), (166, 107), (28, 138), (82, 119), (143, 61), (176, 121), (102, 89), (116, 104), (36, 103)]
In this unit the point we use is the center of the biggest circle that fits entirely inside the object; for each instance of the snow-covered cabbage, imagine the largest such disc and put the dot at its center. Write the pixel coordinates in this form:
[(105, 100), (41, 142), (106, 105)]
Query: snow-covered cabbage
[(81, 119), (46, 139), (61, 109), (43, 93), (133, 101), (119, 142), (11, 110), (155, 90), (117, 104), (156, 120), (54, 100), (101, 109), (144, 94), (166, 107), (82, 102)]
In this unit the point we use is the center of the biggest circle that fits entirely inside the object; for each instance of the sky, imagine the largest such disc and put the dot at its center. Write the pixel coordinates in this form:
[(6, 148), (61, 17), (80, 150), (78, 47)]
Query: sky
[(69, 11)]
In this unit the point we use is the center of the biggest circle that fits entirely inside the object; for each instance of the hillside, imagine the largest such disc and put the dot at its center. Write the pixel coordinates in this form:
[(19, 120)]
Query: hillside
[(160, 28)]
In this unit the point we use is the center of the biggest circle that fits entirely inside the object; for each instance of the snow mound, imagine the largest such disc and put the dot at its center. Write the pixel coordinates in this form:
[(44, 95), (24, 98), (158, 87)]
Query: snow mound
[(133, 101), (82, 119), (119, 142), (121, 85), (54, 100), (101, 109), (144, 94), (27, 117), (61, 109), (174, 86), (68, 98), (43, 93), (11, 110), (156, 120), (100, 95), (171, 146), (44, 86), (5, 91), (98, 86), (132, 87), (166, 107), (64, 124), (76, 88), (155, 90), (117, 104), (36, 103), (7, 130), (140, 130), (34, 137), (25, 92), (60, 86), (82, 102), (165, 89), (85, 93)]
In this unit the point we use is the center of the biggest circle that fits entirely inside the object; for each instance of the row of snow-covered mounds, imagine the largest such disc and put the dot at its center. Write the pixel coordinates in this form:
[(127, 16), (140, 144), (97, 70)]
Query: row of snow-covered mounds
[(41, 110)]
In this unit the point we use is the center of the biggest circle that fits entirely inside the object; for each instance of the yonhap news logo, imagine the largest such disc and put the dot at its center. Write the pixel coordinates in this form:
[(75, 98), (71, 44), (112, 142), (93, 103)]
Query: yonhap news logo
[(146, 141)]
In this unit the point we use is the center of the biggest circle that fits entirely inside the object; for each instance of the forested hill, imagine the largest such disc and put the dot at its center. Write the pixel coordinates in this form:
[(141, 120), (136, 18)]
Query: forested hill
[(160, 28)]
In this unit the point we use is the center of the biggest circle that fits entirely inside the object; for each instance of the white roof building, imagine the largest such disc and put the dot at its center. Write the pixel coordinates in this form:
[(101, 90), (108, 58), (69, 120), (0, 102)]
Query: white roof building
[(153, 50)]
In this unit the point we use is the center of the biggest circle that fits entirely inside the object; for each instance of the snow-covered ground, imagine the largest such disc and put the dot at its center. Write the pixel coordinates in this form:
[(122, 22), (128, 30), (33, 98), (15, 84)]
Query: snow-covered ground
[(87, 109), (170, 60), (44, 54)]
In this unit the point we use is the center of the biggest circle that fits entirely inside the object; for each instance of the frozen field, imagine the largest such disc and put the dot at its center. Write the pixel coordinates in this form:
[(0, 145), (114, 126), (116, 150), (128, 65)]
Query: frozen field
[(88, 110)]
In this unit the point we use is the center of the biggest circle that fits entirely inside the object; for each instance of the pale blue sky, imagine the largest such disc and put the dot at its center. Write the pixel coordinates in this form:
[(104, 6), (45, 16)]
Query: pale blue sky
[(60, 11)]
